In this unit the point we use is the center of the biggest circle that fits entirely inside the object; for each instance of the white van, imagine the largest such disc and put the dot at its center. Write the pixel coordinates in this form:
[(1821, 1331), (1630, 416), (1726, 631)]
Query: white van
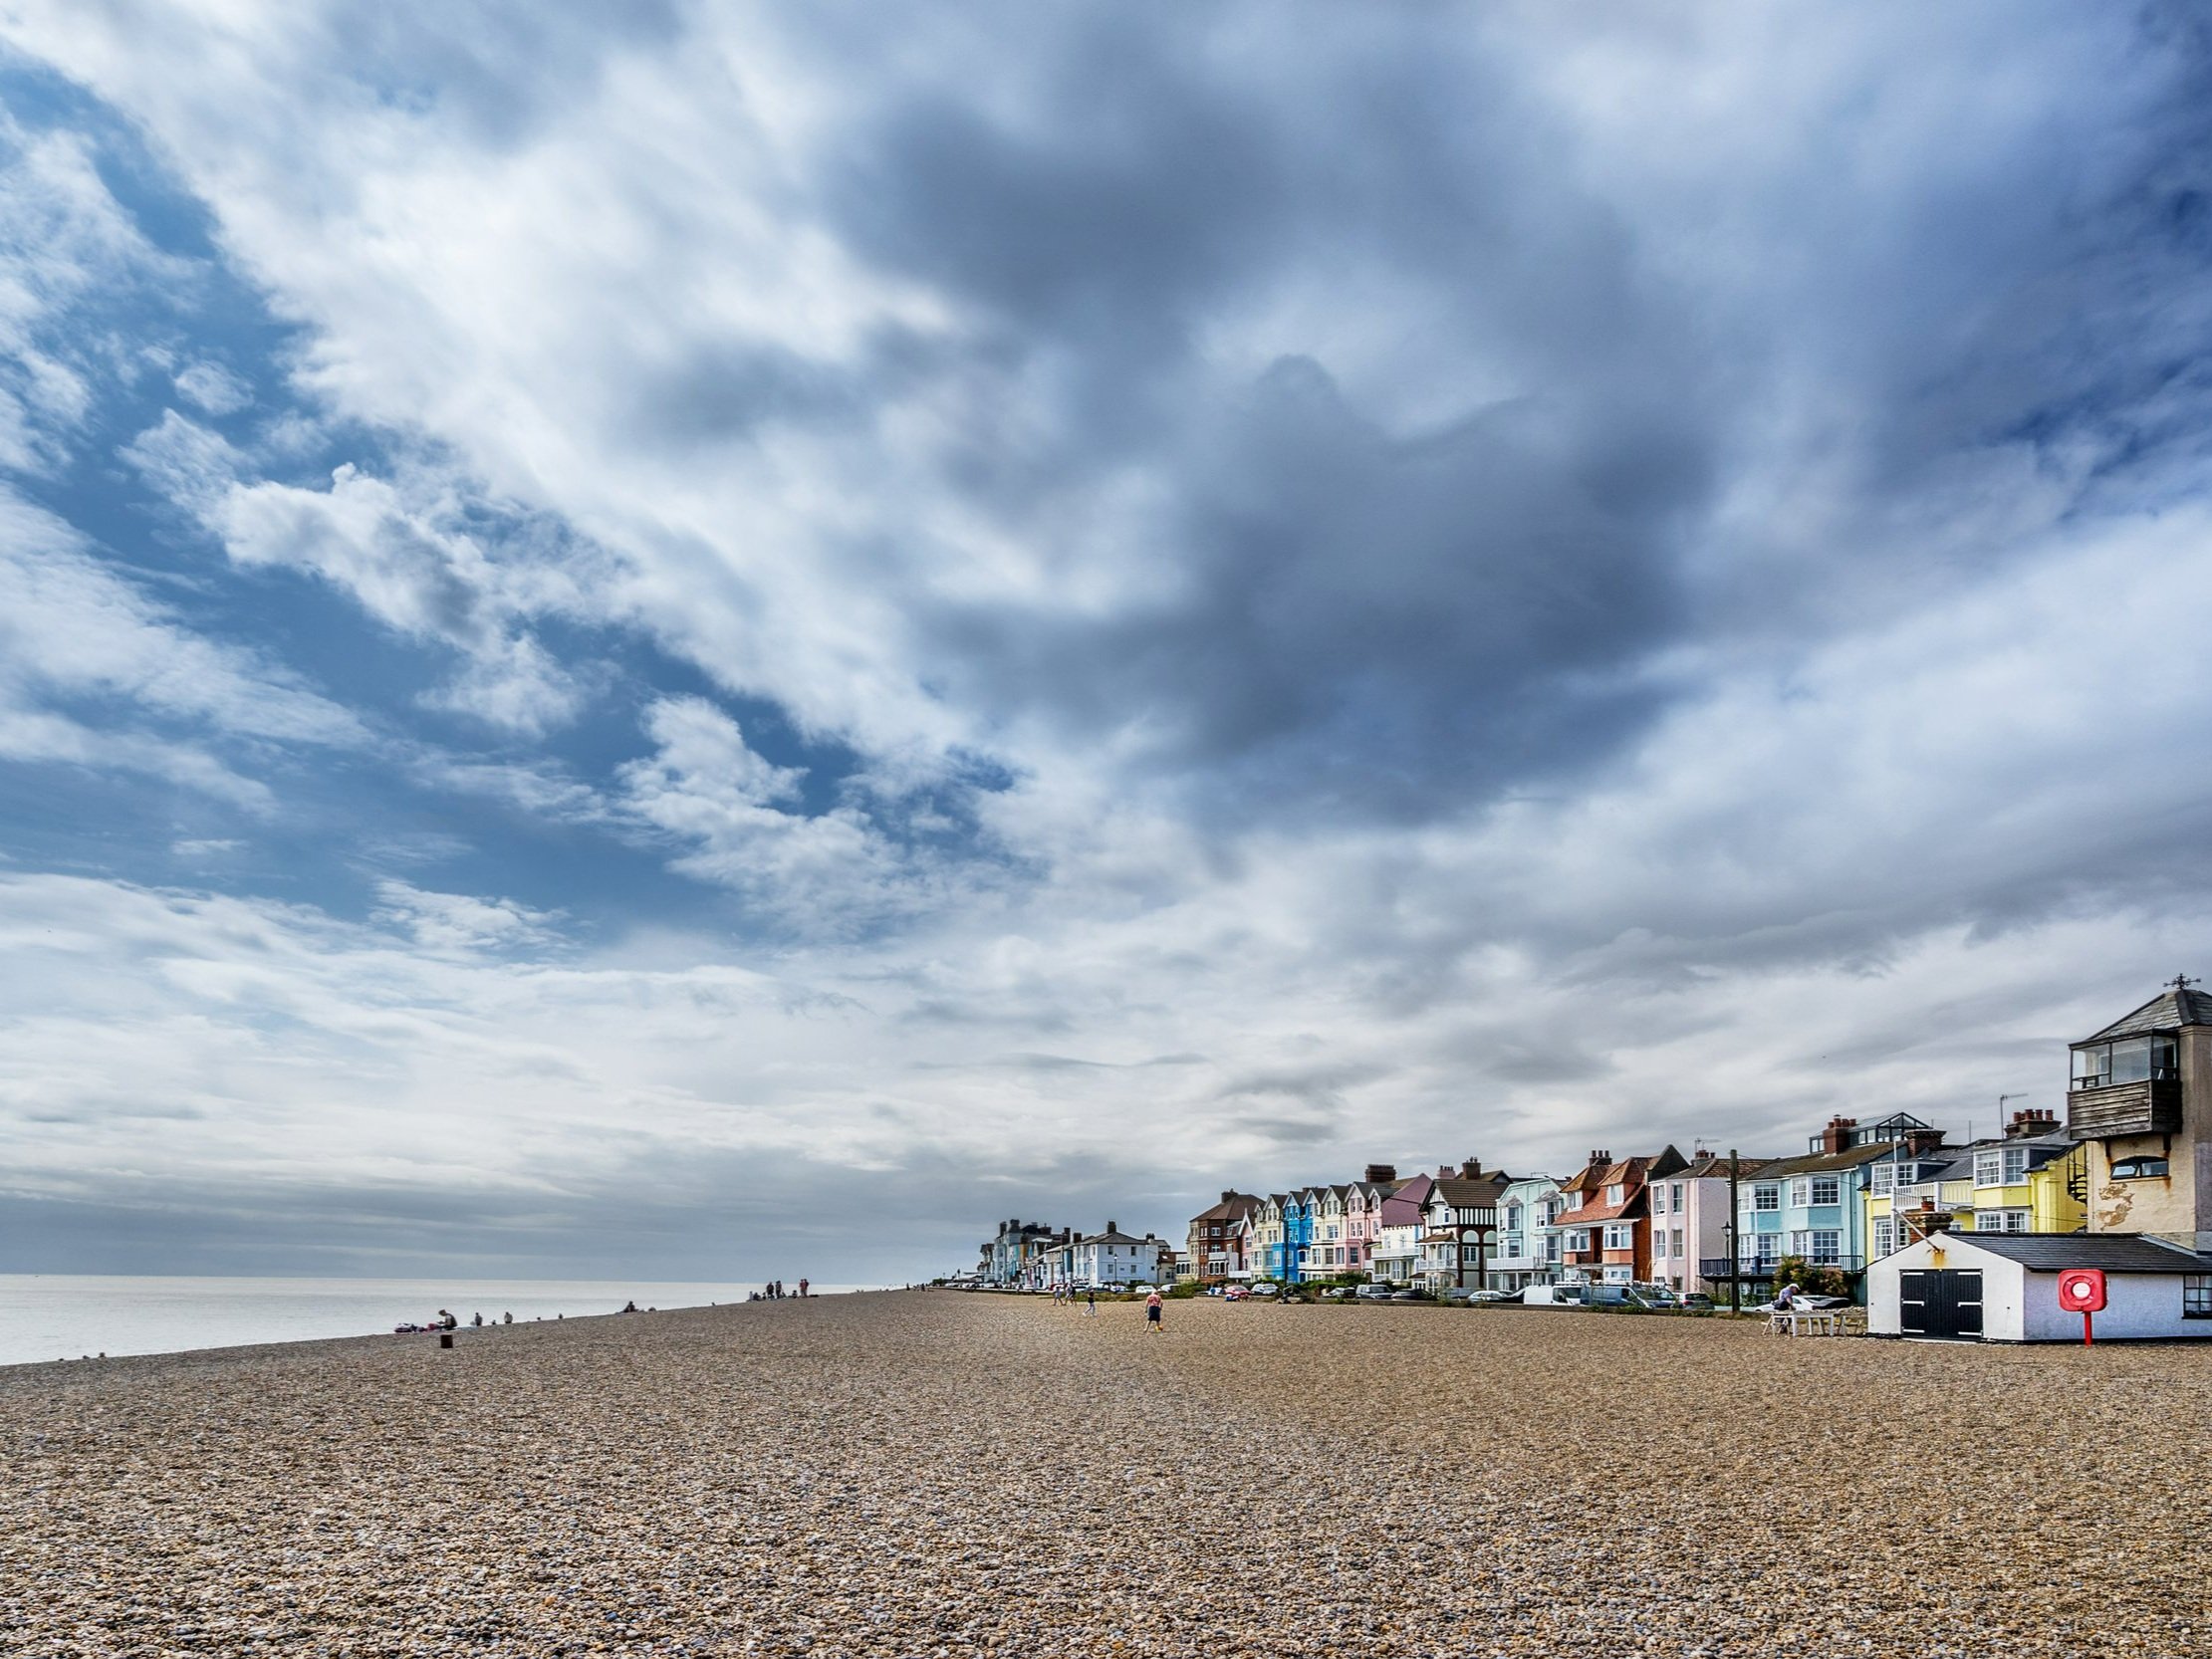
[(1555, 1296)]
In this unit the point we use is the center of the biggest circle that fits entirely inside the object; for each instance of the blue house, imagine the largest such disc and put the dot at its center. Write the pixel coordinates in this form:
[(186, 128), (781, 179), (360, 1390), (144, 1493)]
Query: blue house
[(1811, 1207)]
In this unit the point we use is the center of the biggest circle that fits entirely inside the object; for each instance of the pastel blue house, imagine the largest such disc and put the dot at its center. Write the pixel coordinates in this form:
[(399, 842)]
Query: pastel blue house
[(1811, 1207)]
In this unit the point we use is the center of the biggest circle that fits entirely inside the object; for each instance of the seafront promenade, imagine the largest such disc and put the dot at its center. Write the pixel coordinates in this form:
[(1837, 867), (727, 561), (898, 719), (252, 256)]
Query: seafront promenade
[(924, 1474)]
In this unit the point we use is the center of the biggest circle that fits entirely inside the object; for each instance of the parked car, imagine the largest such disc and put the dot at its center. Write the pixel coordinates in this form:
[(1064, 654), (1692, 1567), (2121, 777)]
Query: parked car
[(1264, 1290), (1235, 1293), (1375, 1292), (1555, 1295), (1495, 1295), (1403, 1296)]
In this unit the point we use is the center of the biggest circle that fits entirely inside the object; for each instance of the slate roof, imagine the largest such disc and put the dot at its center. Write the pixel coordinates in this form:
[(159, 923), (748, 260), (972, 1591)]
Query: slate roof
[(2168, 1012), (1235, 1207), (2111, 1252), (1480, 1192), (1820, 1163)]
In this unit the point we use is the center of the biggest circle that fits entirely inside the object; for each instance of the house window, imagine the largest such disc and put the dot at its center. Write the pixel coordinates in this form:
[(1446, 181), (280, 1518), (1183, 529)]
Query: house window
[(1619, 1238), (1659, 1241), (1828, 1189), (2000, 1221), (1881, 1237), (1677, 1241), (1551, 1248), (1658, 1201), (1615, 1193), (2138, 1170), (1677, 1189), (1882, 1176), (1828, 1247), (2196, 1296), (1766, 1195), (2001, 1168), (2132, 1059)]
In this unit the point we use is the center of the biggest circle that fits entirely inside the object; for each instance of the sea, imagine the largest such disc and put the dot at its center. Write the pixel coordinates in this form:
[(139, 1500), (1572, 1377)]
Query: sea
[(50, 1316)]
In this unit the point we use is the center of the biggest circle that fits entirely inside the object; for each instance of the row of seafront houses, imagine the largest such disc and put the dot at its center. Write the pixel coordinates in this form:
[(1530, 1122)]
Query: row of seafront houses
[(1940, 1240)]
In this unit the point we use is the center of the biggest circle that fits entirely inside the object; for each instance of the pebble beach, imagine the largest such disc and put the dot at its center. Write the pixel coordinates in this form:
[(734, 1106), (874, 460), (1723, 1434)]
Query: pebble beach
[(937, 1473)]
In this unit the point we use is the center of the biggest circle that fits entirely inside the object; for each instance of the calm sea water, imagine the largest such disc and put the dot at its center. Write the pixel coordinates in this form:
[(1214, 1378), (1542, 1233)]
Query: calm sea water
[(49, 1317)]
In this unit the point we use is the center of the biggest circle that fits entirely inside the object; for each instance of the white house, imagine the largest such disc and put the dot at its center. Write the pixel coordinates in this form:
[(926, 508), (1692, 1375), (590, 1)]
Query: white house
[(1527, 1248), (2004, 1288), (1113, 1257)]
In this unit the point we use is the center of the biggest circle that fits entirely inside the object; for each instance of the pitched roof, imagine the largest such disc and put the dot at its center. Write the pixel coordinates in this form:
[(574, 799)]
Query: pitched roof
[(1470, 1193), (1708, 1165), (2111, 1252), (1820, 1163), (2169, 1010), (1235, 1207)]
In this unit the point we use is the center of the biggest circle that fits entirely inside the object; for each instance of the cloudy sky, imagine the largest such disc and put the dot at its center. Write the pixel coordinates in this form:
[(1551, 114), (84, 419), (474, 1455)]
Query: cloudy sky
[(722, 641)]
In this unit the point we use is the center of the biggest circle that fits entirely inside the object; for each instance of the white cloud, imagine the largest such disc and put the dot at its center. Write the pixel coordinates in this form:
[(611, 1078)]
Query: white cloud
[(447, 922), (211, 387), (75, 631)]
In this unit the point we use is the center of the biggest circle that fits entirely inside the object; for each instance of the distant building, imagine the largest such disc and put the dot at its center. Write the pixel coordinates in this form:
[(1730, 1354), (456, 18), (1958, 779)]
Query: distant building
[(1527, 1250), (1113, 1257), (1213, 1248), (1605, 1233), (1006, 1254), (1401, 1220), (1462, 1226)]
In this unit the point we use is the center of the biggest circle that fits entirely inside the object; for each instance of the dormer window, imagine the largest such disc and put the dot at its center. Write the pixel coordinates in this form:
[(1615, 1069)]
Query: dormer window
[(2131, 1059), (2138, 1170), (2001, 1168), (1615, 1193)]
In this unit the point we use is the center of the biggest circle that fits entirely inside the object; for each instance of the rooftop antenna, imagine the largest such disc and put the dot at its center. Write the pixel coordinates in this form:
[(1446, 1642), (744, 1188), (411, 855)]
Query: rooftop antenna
[(2182, 982)]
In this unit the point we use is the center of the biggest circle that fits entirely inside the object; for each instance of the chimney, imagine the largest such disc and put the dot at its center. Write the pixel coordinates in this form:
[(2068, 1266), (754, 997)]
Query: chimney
[(1919, 1141), (1471, 1169), (1111, 1227), (2028, 1125), (1600, 1156), (1837, 1138), (1227, 1196), (1443, 1172), (1377, 1174)]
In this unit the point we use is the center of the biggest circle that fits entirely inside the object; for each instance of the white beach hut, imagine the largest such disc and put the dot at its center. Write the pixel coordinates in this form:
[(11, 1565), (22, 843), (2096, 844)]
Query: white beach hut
[(2004, 1288)]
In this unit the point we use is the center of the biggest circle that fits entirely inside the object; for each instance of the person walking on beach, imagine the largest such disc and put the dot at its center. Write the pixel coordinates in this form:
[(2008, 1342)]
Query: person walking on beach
[(1090, 1303), (1151, 1313), (802, 1290)]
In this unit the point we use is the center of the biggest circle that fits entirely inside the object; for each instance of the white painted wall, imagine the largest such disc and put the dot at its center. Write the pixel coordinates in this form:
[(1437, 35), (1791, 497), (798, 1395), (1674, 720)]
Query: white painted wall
[(2019, 1305)]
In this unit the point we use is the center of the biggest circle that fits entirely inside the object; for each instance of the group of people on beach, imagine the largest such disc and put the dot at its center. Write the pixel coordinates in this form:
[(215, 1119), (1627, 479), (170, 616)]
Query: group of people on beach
[(1067, 1295), (774, 1291), (446, 1320)]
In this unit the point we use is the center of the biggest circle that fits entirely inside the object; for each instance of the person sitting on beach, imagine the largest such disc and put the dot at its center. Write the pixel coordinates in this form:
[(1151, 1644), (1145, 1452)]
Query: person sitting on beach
[(1151, 1313), (446, 1321), (477, 1322), (630, 1308), (506, 1319)]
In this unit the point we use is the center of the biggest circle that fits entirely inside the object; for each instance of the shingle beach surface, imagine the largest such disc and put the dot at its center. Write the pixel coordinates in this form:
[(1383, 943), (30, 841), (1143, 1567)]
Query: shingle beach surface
[(924, 1474)]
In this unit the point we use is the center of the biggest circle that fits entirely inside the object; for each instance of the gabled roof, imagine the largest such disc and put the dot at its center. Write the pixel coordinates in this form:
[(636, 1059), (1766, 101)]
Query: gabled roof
[(2169, 1010), (2108, 1252), (1404, 1207), (1469, 1193)]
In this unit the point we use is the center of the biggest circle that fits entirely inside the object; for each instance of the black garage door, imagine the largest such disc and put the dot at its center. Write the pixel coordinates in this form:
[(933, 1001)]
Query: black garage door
[(1942, 1304)]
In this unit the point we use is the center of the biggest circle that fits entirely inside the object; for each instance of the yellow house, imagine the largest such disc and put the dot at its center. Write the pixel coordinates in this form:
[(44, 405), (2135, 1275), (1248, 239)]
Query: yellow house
[(2030, 1180)]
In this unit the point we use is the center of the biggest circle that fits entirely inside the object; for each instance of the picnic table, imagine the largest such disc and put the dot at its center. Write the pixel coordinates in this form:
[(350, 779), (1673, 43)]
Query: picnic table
[(1810, 1322)]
